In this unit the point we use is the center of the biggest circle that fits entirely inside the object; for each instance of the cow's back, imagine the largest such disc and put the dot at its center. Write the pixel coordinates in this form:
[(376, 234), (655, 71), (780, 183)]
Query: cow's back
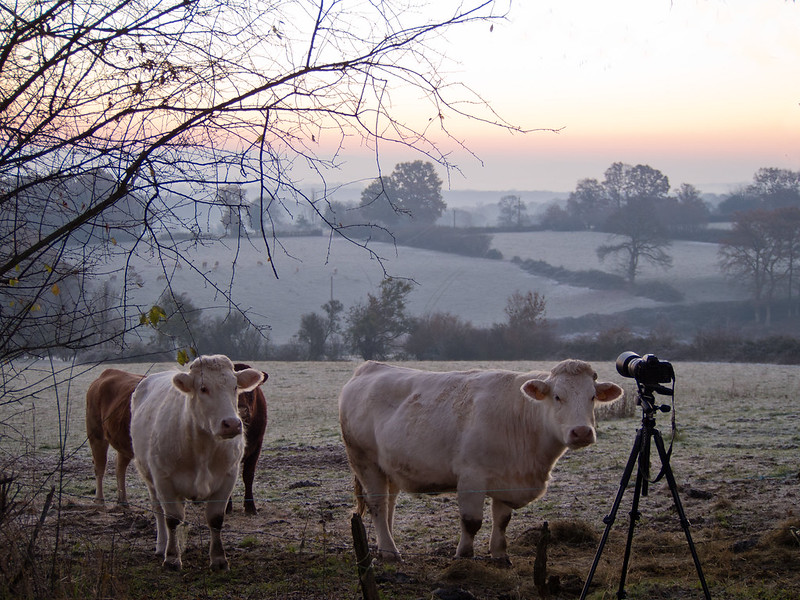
[(380, 393), (420, 421)]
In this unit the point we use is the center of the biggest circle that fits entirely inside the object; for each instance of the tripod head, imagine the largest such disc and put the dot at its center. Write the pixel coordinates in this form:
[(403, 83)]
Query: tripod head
[(649, 373), (647, 400)]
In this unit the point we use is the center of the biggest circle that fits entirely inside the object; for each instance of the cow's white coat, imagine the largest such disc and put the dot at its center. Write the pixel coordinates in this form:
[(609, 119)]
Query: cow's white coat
[(477, 433), (188, 443)]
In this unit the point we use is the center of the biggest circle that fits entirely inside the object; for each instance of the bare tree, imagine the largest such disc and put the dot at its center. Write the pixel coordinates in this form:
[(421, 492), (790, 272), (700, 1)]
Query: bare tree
[(761, 252), (637, 231), (638, 237), (124, 120), (513, 212)]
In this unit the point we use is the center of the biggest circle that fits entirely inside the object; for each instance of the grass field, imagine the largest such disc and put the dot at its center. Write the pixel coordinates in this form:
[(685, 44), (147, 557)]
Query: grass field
[(313, 269), (735, 459)]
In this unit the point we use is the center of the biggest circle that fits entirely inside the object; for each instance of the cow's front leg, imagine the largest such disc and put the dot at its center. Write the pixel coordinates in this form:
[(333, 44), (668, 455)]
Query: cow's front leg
[(174, 514), (470, 506), (215, 516), (375, 487), (501, 515)]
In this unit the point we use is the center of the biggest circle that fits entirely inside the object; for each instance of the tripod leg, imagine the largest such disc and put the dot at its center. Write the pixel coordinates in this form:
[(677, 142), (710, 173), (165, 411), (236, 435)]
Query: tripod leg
[(679, 507), (609, 520), (641, 484)]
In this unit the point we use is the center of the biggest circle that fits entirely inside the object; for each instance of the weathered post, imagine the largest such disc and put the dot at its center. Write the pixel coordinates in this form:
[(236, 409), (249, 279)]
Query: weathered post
[(540, 563), (366, 575)]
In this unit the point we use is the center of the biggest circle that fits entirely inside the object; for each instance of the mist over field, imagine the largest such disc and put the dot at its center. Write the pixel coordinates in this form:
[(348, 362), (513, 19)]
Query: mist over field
[(312, 270)]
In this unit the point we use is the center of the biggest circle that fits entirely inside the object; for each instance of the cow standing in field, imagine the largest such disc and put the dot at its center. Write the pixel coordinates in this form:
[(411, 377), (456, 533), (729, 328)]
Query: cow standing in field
[(477, 433), (253, 412), (188, 443), (108, 421)]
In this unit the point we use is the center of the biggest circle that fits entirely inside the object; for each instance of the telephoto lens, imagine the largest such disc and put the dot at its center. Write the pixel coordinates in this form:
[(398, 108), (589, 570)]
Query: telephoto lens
[(645, 369)]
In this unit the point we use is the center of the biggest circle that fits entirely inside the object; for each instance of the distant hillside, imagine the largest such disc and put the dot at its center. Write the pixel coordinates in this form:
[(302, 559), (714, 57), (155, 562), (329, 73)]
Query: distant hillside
[(311, 272)]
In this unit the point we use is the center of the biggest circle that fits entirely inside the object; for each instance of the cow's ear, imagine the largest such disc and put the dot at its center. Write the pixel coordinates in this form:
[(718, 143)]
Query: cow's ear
[(183, 381), (249, 379), (536, 389), (266, 376), (608, 392)]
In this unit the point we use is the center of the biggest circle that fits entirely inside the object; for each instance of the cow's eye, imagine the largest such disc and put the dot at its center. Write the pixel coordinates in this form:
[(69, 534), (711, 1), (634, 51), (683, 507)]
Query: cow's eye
[(203, 389), (558, 398)]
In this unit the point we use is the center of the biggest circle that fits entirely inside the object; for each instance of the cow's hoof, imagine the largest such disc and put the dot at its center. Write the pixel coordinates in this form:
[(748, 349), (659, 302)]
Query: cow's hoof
[(250, 509), (172, 564), (502, 562), (390, 556), (220, 564)]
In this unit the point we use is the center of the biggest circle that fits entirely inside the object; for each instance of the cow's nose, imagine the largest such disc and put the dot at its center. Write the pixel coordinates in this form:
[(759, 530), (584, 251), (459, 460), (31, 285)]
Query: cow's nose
[(230, 427), (581, 436)]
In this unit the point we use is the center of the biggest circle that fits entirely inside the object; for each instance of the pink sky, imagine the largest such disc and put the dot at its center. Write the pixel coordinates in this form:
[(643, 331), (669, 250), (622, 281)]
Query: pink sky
[(707, 91)]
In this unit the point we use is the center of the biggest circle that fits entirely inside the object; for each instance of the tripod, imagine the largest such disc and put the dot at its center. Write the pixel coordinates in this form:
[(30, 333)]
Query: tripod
[(641, 450)]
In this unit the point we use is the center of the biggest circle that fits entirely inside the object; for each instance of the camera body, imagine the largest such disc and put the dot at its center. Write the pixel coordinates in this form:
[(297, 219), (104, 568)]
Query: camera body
[(646, 370)]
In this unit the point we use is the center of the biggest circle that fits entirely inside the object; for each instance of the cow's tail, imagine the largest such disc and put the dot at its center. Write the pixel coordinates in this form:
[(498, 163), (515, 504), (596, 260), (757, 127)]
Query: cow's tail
[(358, 490)]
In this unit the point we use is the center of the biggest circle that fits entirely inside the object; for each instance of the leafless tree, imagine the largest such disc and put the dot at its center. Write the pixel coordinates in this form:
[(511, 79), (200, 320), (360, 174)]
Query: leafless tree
[(761, 252), (122, 121)]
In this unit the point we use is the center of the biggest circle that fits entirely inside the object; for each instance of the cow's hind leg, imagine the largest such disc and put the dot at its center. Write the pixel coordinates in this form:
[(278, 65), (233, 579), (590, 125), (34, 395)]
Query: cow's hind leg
[(122, 470), (99, 447), (501, 515), (248, 475), (394, 490), (380, 502), (470, 507)]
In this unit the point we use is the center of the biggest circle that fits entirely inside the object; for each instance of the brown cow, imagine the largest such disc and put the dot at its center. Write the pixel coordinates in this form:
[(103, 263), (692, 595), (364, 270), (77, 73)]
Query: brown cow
[(253, 412), (108, 421)]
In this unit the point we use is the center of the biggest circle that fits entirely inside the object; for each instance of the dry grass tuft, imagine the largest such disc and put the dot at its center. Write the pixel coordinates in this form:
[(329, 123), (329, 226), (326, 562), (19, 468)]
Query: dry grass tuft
[(787, 535)]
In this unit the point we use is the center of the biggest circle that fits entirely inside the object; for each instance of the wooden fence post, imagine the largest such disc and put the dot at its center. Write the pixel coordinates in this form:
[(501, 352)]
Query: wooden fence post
[(366, 575), (540, 563)]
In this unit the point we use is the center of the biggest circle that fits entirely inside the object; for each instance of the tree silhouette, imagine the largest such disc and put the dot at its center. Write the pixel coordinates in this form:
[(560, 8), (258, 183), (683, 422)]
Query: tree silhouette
[(372, 327), (413, 192), (638, 233), (513, 212), (761, 252)]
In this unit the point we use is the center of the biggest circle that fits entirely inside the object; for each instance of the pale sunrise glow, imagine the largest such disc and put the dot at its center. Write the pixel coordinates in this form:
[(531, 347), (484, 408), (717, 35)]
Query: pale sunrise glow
[(706, 91)]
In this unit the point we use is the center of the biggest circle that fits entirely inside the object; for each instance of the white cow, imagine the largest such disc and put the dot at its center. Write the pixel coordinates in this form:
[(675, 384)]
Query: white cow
[(477, 433), (188, 443)]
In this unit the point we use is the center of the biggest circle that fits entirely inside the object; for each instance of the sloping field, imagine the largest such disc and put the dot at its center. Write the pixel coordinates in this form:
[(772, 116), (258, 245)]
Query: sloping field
[(312, 270), (695, 271)]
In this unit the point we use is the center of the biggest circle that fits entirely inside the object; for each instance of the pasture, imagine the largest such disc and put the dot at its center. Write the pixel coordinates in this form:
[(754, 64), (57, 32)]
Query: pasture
[(736, 459), (314, 269)]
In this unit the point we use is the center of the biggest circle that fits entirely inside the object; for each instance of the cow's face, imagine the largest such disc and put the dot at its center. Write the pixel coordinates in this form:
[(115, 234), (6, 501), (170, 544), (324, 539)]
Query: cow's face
[(214, 387), (569, 402)]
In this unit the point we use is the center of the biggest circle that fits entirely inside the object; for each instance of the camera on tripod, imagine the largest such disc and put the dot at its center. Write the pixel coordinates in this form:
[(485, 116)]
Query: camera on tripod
[(649, 373), (646, 370)]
